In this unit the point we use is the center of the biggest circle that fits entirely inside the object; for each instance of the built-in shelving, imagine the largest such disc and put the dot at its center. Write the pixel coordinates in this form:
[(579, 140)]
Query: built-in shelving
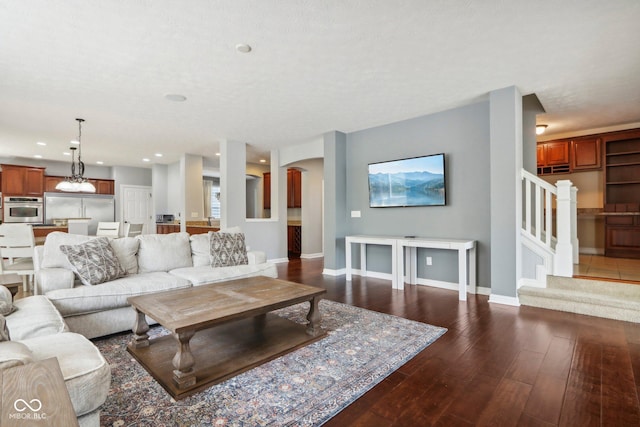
[(622, 193)]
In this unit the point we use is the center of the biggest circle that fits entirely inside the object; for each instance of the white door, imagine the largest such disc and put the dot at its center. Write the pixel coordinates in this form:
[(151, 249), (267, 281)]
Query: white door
[(137, 207)]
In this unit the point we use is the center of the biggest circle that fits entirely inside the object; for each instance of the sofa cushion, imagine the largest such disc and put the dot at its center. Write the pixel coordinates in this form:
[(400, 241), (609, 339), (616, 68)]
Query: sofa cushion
[(94, 261), (200, 249), (85, 371), (13, 353), (52, 256), (227, 249), (163, 252), (113, 294), (205, 274), (126, 249), (36, 316)]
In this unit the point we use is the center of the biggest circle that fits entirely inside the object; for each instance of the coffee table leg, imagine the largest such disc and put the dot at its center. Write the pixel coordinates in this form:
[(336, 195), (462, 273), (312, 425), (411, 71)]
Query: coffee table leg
[(140, 328), (313, 327), (183, 361)]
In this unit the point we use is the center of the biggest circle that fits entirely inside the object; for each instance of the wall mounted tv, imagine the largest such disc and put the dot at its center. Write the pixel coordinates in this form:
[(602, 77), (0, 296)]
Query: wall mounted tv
[(418, 181)]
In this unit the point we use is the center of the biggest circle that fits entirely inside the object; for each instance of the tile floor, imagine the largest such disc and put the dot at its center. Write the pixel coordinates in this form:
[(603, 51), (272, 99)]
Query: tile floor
[(608, 268)]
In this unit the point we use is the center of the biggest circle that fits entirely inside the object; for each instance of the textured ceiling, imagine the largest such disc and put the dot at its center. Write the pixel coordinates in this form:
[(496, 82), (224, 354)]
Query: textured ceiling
[(315, 66)]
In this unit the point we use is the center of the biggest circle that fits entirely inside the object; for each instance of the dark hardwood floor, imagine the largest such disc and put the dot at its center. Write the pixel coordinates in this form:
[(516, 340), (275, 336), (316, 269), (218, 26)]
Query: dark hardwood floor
[(496, 366)]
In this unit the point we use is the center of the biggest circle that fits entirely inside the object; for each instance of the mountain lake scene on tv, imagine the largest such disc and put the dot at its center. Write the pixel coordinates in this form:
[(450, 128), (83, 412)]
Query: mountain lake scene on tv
[(409, 182)]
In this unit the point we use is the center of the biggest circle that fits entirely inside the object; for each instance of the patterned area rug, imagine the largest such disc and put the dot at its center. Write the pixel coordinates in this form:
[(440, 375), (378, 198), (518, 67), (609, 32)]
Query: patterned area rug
[(303, 388)]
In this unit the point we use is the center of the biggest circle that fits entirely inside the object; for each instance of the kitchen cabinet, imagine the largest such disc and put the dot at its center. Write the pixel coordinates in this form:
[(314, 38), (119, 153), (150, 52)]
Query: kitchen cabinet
[(569, 155), (622, 193), (22, 180), (586, 153), (103, 186), (167, 228), (294, 189), (553, 157)]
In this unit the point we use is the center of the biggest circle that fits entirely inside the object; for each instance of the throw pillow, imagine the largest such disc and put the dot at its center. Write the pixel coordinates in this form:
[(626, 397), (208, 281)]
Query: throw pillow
[(94, 261), (126, 249), (6, 308), (227, 249), (163, 252)]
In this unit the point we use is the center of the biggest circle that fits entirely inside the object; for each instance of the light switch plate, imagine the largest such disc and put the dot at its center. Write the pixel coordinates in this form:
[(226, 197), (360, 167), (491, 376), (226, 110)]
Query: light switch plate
[(355, 214)]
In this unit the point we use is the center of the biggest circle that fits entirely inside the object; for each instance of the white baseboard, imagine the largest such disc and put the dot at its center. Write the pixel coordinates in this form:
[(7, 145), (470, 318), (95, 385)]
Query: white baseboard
[(310, 256), (453, 286), (330, 272), (372, 274), (278, 260), (591, 251), (505, 300)]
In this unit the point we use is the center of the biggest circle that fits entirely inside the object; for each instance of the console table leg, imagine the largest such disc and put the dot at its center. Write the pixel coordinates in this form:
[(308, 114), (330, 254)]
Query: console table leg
[(140, 328), (314, 317), (183, 361)]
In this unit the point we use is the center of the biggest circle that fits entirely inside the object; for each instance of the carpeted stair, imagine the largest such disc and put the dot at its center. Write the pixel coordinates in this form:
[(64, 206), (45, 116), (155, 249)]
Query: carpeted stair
[(612, 300)]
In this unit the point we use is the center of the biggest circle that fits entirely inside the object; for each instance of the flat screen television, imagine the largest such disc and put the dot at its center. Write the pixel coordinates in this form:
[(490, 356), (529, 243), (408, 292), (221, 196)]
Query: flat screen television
[(417, 181)]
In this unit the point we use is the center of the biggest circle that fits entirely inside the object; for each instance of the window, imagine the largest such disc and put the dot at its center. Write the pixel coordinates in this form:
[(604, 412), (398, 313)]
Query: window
[(215, 201)]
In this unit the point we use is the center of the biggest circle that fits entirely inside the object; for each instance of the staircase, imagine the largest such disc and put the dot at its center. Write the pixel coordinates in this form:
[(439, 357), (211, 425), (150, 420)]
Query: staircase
[(611, 300)]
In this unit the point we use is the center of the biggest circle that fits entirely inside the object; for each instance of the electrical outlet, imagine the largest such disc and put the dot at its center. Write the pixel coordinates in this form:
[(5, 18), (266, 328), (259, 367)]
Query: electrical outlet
[(429, 260), (194, 215)]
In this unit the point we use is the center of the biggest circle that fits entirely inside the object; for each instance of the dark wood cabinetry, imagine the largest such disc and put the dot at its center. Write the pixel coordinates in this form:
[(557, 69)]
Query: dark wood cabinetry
[(553, 157), (294, 189), (569, 155), (103, 186), (622, 194), (586, 153), (22, 180), (167, 228)]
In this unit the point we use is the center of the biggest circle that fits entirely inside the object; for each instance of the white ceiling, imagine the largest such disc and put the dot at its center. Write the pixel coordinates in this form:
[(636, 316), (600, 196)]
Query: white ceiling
[(315, 66)]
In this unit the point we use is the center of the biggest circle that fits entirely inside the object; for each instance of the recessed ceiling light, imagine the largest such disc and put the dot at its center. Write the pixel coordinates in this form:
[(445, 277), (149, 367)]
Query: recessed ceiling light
[(74, 142), (263, 161), (158, 154), (146, 160), (37, 156), (243, 48), (66, 153), (217, 154), (175, 97), (100, 162), (41, 143)]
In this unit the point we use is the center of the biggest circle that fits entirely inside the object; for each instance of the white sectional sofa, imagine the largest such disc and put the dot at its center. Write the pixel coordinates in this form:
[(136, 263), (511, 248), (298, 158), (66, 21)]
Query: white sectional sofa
[(38, 332), (153, 263)]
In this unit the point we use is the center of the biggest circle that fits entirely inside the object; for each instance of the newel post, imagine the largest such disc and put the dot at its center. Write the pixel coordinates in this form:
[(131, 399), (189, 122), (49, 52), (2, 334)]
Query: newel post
[(565, 203)]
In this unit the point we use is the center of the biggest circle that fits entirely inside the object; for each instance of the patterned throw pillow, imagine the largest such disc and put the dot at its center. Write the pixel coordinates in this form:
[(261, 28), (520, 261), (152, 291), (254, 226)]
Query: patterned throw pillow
[(227, 249), (94, 262)]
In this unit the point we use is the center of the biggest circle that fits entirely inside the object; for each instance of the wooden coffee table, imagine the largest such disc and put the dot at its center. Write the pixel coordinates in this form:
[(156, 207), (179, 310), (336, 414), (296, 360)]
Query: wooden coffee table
[(235, 331)]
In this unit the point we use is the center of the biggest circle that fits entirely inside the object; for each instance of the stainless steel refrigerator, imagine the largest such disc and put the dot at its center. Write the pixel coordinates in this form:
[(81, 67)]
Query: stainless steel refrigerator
[(95, 207)]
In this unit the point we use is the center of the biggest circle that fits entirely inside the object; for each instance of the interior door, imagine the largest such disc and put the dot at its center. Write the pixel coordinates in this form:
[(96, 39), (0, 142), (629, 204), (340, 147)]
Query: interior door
[(137, 207)]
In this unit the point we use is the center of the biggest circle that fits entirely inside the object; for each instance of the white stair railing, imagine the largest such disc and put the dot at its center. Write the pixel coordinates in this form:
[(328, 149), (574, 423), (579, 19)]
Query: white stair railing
[(559, 238)]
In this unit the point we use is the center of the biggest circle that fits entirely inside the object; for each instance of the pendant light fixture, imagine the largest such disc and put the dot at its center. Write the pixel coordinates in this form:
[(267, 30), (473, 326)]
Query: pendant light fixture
[(76, 182)]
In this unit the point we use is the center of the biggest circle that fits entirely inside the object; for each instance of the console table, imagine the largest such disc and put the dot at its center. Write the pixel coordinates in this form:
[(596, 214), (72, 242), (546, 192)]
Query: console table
[(400, 245)]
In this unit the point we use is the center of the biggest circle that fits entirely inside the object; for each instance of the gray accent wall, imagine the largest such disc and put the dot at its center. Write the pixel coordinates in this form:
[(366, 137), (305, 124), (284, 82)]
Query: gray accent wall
[(463, 135), (506, 189), (335, 197)]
